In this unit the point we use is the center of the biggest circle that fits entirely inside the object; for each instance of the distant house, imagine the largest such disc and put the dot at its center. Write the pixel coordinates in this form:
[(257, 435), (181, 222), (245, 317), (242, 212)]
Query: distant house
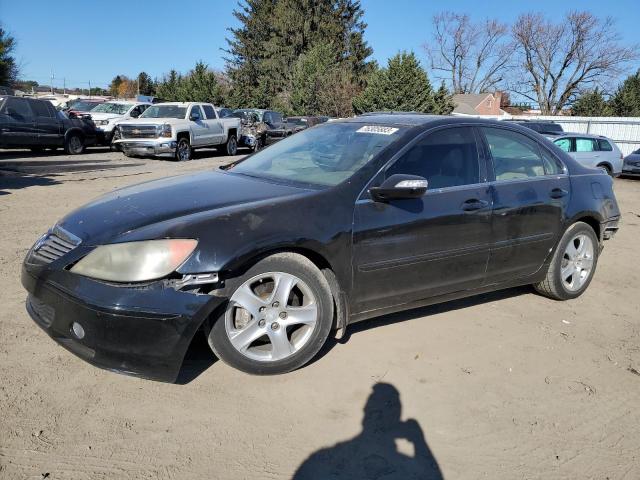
[(478, 104)]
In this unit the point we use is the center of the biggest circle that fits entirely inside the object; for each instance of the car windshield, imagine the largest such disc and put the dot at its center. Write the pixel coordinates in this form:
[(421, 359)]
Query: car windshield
[(297, 121), (83, 106), (165, 111), (117, 108), (325, 155)]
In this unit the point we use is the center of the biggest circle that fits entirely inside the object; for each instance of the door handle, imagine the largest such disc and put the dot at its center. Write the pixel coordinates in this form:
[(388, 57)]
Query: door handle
[(558, 193), (474, 204)]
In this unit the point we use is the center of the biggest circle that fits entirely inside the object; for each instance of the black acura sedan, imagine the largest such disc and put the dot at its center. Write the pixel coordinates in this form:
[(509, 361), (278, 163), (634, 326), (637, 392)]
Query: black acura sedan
[(340, 223)]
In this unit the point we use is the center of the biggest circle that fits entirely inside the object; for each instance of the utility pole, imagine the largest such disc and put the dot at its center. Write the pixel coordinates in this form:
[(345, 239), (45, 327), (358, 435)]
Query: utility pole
[(64, 85), (138, 85), (89, 88), (52, 77)]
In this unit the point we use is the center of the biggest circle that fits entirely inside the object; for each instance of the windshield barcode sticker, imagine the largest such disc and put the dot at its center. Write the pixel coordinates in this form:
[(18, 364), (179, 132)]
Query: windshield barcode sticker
[(380, 130)]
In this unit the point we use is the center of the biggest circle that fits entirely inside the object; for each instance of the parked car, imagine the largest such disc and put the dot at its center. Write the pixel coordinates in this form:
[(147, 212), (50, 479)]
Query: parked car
[(544, 128), (81, 108), (106, 115), (261, 127), (592, 151), (297, 124), (176, 129), (224, 112), (36, 124), (339, 223), (631, 165)]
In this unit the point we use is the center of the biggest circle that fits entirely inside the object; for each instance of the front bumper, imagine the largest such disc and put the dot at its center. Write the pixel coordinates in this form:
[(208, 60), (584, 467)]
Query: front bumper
[(166, 147), (140, 331)]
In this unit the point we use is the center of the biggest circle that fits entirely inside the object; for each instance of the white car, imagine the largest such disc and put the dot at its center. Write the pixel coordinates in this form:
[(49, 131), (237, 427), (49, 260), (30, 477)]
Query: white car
[(107, 114), (175, 129)]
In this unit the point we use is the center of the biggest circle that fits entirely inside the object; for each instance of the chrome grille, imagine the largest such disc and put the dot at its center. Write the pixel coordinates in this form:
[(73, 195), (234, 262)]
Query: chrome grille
[(56, 243), (138, 131)]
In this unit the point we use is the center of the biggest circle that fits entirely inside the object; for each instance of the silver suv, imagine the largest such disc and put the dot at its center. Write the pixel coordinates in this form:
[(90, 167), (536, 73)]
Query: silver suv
[(591, 151)]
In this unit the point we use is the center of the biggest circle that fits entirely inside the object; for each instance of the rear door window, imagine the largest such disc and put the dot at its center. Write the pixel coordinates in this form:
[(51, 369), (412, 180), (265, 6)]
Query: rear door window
[(514, 155), (586, 145), (209, 112), (18, 109), (446, 158)]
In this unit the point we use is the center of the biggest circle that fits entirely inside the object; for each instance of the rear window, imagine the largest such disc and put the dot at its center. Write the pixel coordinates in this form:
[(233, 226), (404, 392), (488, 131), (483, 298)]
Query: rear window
[(604, 146), (209, 112)]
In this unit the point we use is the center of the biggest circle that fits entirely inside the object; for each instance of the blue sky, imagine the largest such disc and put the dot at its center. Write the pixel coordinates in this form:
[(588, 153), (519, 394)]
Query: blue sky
[(86, 41)]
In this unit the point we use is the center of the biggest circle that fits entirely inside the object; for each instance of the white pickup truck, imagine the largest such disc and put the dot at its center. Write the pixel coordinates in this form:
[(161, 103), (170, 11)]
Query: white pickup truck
[(175, 129)]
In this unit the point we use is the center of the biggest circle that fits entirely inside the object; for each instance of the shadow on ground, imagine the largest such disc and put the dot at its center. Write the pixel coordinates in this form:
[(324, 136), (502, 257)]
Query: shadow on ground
[(374, 453), (200, 357)]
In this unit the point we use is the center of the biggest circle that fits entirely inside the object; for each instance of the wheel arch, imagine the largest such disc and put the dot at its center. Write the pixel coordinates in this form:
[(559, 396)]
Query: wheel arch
[(74, 131), (183, 134)]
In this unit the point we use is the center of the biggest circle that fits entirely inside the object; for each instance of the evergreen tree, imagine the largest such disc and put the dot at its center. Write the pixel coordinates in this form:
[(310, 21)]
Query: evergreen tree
[(591, 104), (403, 86), (114, 86), (8, 66), (145, 84), (200, 85), (168, 88), (274, 34), (626, 101)]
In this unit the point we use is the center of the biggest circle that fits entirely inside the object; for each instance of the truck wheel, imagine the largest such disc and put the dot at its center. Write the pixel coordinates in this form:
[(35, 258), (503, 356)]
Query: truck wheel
[(114, 147), (259, 144), (74, 145), (183, 150), (231, 146)]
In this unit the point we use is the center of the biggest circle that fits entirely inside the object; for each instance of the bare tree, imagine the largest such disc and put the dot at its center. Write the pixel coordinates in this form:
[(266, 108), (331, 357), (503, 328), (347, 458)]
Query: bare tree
[(471, 56), (560, 60)]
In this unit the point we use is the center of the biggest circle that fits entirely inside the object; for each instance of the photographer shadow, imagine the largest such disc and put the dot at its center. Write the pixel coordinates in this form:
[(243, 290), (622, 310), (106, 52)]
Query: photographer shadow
[(374, 454)]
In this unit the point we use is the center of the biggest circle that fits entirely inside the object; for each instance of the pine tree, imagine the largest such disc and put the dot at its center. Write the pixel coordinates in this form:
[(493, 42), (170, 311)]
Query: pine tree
[(168, 88), (114, 86), (626, 101), (274, 34), (145, 84), (8, 66), (403, 86), (591, 104)]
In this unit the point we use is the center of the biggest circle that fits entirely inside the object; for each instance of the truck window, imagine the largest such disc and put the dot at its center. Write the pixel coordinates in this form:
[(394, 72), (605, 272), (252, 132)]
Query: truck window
[(40, 108), (209, 112)]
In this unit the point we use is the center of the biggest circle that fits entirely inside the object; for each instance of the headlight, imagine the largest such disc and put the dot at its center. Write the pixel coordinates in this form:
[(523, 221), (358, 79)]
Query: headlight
[(164, 131), (135, 261), (103, 122)]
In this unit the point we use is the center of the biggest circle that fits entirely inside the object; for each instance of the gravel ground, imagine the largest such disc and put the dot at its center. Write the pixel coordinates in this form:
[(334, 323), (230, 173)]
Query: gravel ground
[(508, 385)]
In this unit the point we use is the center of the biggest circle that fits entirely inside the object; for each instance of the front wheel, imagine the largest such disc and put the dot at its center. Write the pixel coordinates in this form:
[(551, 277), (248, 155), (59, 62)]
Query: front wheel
[(278, 316), (116, 136), (183, 150), (573, 264)]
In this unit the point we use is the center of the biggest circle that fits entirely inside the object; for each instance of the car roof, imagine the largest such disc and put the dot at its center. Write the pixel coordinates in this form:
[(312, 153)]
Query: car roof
[(182, 104), (577, 134)]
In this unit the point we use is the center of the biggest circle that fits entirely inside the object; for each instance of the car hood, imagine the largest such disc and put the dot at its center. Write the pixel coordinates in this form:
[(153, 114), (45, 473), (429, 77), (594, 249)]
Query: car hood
[(148, 121), (110, 216), (103, 116)]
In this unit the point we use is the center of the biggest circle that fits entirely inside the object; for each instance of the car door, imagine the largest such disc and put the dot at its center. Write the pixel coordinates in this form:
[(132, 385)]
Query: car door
[(406, 250), (49, 128), (530, 192), (19, 125), (214, 125), (198, 126)]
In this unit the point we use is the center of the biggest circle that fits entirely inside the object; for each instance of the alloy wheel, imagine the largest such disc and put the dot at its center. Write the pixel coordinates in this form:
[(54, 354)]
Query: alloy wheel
[(183, 150), (232, 146), (271, 316), (75, 144), (577, 262)]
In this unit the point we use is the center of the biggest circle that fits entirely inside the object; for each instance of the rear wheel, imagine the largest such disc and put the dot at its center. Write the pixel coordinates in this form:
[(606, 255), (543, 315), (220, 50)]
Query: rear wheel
[(183, 150), (278, 316), (573, 264), (608, 170), (231, 147), (74, 145)]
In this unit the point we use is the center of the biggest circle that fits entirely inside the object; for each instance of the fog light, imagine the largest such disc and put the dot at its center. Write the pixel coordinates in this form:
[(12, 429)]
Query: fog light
[(77, 330)]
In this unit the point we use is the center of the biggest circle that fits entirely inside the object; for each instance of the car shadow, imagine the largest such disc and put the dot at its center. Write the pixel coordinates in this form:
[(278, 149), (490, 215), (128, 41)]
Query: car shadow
[(374, 452), (197, 360), (199, 356)]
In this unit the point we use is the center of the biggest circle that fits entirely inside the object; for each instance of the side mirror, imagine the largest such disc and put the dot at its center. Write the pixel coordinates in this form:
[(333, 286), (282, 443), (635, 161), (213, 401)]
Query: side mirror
[(398, 187), (194, 117)]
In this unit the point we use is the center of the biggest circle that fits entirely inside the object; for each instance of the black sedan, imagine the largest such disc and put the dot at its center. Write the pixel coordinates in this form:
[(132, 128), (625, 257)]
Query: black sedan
[(339, 223)]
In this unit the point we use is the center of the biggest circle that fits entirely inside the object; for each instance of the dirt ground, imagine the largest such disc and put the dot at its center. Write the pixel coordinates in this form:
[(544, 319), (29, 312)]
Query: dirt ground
[(508, 385)]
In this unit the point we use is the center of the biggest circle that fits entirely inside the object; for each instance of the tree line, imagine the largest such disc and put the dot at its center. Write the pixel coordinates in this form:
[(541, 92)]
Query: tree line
[(310, 57)]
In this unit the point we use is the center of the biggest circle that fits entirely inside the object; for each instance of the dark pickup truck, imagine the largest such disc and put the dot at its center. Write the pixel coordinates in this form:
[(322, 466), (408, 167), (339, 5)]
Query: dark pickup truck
[(36, 124)]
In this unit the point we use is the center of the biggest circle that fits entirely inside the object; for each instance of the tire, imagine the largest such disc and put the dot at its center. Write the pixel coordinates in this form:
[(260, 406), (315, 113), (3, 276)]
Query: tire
[(298, 341), (562, 264), (259, 144), (114, 147), (73, 144), (183, 150), (231, 147)]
